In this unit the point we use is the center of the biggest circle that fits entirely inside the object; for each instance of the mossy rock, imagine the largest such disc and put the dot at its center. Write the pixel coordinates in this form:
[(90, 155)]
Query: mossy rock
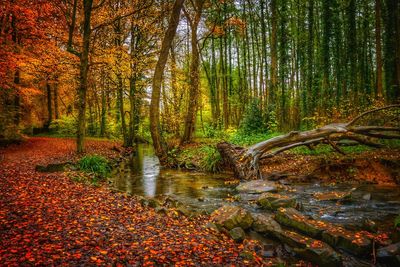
[(257, 187), (311, 249), (54, 167), (229, 217), (237, 234), (273, 201), (390, 254), (336, 236), (354, 243), (294, 219), (266, 224)]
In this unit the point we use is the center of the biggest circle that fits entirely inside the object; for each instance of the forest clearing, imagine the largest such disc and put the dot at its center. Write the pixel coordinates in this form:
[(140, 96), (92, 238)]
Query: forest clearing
[(200, 133)]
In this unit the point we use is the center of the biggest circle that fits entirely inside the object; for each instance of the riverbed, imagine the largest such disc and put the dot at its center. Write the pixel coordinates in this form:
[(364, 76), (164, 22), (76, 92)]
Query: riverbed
[(142, 175)]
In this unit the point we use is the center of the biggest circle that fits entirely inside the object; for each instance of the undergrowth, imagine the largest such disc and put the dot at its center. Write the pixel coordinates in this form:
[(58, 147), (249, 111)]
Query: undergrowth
[(96, 165), (212, 160)]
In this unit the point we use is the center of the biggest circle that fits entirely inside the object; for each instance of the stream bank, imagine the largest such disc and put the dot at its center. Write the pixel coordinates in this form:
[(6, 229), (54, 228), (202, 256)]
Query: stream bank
[(361, 209)]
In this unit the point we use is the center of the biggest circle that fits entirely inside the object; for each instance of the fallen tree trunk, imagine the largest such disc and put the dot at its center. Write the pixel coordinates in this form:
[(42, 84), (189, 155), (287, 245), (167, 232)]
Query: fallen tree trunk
[(245, 162)]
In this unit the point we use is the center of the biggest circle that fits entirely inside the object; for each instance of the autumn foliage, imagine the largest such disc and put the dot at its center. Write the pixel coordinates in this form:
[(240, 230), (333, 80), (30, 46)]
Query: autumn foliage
[(46, 219)]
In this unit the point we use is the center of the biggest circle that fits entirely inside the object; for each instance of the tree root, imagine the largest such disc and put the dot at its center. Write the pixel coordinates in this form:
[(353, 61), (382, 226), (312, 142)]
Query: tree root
[(245, 162)]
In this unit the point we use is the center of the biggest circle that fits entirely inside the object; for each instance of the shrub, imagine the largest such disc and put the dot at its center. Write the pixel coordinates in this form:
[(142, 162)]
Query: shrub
[(253, 121), (65, 126), (397, 221), (212, 161), (95, 164)]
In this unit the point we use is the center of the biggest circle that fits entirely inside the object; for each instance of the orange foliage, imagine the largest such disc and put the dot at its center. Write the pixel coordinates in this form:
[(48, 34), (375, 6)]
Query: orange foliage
[(47, 219)]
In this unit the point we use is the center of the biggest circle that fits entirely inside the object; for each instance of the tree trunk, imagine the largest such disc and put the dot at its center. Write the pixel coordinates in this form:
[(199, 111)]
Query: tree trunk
[(245, 162), (56, 111), (190, 123), (83, 74), (49, 109), (157, 81), (274, 51), (103, 112)]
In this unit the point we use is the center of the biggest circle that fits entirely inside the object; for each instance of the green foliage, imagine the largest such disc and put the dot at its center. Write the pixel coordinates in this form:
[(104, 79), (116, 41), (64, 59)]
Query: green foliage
[(253, 121), (272, 122), (65, 126), (95, 164), (213, 132), (327, 149), (212, 160), (397, 221), (242, 139)]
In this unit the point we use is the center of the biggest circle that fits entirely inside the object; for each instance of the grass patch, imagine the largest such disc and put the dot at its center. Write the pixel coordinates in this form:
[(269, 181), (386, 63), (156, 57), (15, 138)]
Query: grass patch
[(241, 139), (212, 160), (327, 149), (203, 157), (96, 165)]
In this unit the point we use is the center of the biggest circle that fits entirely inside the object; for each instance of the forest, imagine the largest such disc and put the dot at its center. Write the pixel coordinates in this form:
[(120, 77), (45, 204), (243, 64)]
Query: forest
[(101, 100)]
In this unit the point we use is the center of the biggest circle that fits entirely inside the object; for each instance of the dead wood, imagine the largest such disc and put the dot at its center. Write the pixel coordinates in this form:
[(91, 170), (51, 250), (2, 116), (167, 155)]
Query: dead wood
[(385, 125)]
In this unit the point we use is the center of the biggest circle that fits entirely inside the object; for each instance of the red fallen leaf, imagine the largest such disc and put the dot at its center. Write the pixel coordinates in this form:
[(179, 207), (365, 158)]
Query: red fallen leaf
[(77, 256), (63, 210)]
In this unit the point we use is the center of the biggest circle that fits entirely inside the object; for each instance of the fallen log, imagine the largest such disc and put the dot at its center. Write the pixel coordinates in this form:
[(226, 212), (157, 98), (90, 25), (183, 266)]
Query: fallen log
[(245, 162)]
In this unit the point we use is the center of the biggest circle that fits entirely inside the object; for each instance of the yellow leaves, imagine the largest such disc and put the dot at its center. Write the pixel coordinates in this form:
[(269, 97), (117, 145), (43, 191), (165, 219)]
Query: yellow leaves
[(103, 252)]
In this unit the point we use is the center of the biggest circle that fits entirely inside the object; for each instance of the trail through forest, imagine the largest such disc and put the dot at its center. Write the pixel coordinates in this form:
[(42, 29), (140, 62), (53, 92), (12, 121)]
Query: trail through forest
[(47, 219)]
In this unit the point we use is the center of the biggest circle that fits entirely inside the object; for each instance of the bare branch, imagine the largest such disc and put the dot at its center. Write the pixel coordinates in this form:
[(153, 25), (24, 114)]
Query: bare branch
[(370, 111), (244, 162)]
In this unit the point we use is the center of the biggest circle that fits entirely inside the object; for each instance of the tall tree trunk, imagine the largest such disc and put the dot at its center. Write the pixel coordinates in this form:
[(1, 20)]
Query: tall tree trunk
[(379, 88), (83, 74), (327, 31), (190, 123), (55, 96), (352, 46), (103, 112), (17, 99), (264, 71), (49, 109), (391, 48), (274, 51), (157, 81)]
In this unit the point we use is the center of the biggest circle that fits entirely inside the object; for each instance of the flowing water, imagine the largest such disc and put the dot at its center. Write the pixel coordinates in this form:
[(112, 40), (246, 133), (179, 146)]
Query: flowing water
[(142, 175)]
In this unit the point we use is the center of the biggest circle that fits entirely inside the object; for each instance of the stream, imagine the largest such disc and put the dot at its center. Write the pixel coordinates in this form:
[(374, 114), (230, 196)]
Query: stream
[(142, 175)]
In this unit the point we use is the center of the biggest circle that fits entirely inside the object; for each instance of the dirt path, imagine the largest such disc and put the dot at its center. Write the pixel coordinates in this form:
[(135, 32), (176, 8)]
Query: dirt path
[(46, 219)]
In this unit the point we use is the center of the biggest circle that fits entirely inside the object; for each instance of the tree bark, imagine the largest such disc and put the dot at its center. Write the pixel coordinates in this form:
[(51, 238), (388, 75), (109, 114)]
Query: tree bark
[(83, 74), (159, 148), (274, 51), (55, 96), (245, 162), (49, 109), (190, 122)]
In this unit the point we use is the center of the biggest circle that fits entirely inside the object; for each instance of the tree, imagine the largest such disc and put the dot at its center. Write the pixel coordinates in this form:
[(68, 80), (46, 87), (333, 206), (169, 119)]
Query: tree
[(190, 122), (159, 147), (83, 67)]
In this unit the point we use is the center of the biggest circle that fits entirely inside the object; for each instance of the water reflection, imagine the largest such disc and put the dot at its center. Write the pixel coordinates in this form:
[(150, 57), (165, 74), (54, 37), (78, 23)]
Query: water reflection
[(142, 175)]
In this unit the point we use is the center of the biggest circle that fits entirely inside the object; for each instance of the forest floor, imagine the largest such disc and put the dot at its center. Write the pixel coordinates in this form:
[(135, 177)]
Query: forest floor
[(359, 165), (379, 166), (47, 219)]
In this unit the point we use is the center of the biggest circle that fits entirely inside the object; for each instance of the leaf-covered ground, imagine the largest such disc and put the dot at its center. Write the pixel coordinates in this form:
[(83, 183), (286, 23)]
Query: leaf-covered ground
[(47, 219)]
